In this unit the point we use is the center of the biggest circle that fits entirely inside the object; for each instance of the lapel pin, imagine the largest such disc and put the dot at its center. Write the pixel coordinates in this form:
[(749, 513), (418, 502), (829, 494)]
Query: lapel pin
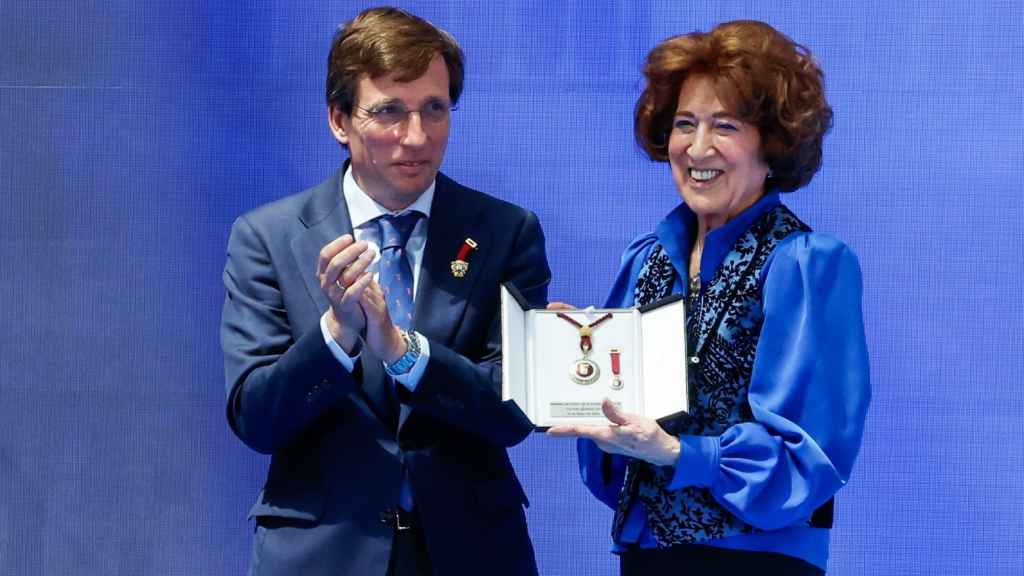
[(461, 263)]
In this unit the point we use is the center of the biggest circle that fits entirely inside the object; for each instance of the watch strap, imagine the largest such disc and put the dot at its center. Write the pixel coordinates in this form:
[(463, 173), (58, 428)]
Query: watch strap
[(406, 361)]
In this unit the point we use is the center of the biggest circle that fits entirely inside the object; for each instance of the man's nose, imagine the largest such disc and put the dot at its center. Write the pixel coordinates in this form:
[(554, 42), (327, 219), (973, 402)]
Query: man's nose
[(414, 133)]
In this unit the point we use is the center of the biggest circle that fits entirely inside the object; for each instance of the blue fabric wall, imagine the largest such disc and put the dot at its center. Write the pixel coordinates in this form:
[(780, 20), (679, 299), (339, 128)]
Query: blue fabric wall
[(132, 133)]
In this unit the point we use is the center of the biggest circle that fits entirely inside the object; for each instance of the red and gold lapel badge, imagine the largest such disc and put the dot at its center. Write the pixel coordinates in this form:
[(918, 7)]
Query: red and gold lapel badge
[(461, 263)]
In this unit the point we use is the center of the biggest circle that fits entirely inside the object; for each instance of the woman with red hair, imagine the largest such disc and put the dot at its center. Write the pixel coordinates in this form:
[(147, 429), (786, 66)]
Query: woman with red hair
[(778, 370)]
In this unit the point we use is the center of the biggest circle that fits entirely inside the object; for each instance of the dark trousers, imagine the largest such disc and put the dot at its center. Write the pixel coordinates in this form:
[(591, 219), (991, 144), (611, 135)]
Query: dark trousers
[(409, 548), (686, 559)]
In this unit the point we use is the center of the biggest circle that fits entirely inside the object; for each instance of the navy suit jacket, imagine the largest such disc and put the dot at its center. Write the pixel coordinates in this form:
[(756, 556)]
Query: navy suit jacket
[(336, 461)]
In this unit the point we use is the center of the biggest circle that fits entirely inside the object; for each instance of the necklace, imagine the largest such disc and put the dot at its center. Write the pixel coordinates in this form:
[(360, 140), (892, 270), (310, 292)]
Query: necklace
[(695, 302), (583, 370), (697, 254)]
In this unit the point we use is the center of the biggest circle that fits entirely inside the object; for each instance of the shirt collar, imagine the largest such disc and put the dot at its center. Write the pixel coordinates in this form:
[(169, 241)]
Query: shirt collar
[(677, 232), (363, 209)]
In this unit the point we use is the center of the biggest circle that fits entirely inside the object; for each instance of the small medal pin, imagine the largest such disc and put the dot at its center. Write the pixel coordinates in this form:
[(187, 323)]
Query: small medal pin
[(616, 383), (461, 263)]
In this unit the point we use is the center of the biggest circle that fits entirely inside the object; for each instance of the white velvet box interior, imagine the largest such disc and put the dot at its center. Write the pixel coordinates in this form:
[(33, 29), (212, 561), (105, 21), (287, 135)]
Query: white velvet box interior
[(539, 351)]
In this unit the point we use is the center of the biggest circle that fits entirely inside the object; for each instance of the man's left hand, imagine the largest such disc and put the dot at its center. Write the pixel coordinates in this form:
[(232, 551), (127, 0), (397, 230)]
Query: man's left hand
[(629, 434), (383, 338)]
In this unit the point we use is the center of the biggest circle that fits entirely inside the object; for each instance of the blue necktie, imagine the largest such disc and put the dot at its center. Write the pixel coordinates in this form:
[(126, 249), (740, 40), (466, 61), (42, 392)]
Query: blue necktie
[(396, 280), (395, 271)]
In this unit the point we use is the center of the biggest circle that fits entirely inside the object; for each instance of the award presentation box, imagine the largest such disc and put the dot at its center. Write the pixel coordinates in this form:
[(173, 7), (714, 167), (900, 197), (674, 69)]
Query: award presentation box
[(558, 365)]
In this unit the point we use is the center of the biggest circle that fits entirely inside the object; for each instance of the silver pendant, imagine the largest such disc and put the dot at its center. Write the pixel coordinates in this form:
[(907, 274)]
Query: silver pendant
[(584, 372)]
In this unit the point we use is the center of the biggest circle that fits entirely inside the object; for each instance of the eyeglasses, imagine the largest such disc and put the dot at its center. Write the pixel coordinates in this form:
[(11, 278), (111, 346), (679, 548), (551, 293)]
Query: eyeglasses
[(394, 113)]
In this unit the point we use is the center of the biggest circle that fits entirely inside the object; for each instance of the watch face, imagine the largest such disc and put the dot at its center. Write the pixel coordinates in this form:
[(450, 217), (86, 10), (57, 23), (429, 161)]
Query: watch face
[(413, 342)]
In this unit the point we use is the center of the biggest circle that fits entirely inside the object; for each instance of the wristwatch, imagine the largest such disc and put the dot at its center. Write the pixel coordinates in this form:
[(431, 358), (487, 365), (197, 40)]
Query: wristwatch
[(406, 361)]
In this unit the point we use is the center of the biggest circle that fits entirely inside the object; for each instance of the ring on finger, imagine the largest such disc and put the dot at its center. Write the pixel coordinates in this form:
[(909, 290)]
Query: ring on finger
[(340, 285)]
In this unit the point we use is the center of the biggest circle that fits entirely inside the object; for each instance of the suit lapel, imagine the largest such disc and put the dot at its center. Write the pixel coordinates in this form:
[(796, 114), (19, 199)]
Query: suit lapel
[(441, 297), (326, 217)]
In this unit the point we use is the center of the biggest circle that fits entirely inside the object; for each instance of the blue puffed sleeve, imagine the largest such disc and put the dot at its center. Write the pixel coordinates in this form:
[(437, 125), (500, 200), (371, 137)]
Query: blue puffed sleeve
[(604, 473), (809, 393), (633, 258)]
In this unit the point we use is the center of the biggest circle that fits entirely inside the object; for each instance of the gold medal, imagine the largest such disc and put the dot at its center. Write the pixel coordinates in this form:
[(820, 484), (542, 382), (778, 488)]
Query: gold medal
[(584, 371)]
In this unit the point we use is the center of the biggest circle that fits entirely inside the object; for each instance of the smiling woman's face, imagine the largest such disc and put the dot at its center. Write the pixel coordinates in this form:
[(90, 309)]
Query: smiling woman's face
[(715, 157)]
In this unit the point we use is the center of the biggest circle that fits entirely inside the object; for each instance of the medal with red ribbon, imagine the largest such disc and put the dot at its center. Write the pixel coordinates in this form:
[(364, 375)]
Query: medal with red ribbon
[(461, 263), (583, 370), (616, 369)]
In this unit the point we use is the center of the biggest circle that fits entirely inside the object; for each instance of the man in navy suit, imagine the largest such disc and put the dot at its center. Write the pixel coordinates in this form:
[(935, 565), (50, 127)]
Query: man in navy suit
[(369, 367)]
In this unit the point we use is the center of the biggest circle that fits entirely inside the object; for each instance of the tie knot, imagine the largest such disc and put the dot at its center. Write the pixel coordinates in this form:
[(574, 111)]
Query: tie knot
[(395, 230)]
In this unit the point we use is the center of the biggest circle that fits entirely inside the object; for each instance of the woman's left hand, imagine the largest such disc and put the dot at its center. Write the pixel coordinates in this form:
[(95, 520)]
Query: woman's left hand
[(629, 434)]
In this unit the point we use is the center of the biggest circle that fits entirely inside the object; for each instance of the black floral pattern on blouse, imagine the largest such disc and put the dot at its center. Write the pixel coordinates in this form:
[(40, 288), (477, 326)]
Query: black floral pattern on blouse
[(723, 324)]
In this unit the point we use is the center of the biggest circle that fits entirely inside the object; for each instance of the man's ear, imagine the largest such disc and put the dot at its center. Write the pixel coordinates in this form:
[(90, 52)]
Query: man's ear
[(339, 122)]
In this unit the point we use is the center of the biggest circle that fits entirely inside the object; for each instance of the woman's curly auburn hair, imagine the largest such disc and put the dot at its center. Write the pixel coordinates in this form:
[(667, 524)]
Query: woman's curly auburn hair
[(761, 76)]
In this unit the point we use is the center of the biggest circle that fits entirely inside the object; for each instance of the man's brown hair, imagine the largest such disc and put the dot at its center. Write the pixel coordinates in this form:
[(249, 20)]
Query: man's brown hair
[(388, 42)]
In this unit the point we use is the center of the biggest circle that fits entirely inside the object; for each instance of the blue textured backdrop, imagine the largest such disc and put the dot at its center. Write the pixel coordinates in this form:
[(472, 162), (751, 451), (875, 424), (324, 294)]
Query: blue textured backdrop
[(132, 133)]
